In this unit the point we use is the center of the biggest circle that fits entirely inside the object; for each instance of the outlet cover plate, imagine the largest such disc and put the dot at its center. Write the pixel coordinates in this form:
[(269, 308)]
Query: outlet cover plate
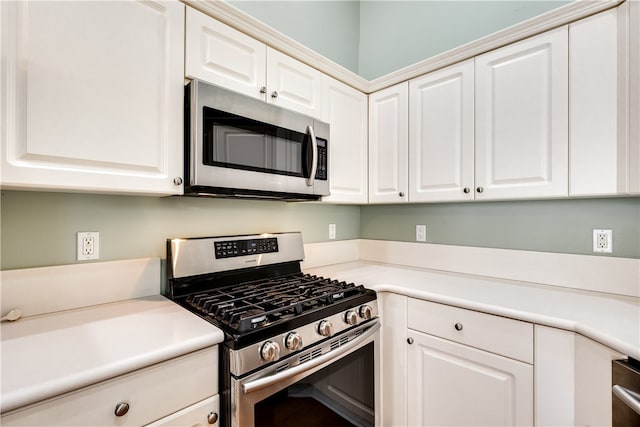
[(332, 231), (88, 245), (421, 233), (603, 241)]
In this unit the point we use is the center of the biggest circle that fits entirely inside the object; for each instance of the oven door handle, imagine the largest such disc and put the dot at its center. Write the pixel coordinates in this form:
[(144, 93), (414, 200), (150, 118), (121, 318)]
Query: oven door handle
[(628, 397), (327, 357)]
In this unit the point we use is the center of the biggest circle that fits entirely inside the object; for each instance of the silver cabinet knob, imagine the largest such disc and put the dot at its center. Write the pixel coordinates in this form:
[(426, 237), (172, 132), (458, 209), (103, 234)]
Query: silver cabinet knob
[(366, 312), (121, 409), (177, 180), (274, 94), (269, 351), (458, 326), (350, 317), (401, 194), (410, 340), (293, 341), (479, 189), (212, 418), (263, 89), (325, 328), (466, 190)]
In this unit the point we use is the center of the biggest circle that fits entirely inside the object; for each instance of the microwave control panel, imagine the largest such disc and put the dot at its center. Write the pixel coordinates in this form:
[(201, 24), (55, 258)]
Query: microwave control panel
[(321, 170)]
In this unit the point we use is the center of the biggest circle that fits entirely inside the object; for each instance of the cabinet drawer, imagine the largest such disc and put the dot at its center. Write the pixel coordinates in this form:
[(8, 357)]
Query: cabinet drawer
[(151, 393), (197, 415), (508, 337)]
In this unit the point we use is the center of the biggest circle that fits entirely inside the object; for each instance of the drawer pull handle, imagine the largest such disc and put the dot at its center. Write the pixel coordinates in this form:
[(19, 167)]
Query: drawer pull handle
[(121, 409), (458, 326), (212, 418)]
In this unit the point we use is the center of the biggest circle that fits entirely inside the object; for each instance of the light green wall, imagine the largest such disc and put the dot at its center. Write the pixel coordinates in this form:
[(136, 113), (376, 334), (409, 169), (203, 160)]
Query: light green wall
[(395, 34), (330, 28), (375, 37), (39, 229), (563, 226)]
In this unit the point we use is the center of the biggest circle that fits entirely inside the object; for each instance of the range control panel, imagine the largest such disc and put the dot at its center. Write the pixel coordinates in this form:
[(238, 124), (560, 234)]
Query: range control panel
[(234, 248)]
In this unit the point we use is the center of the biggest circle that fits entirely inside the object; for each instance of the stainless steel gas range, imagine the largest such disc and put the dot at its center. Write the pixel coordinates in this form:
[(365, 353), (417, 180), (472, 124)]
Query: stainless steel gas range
[(299, 349)]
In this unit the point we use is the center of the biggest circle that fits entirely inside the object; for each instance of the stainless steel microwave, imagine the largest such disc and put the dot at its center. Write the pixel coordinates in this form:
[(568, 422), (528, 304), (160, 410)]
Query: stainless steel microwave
[(237, 146)]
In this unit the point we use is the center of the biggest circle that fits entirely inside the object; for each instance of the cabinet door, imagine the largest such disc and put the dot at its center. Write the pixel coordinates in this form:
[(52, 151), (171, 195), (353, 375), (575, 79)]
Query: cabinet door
[(521, 119), (92, 96), (441, 135), (293, 85), (200, 414), (388, 144), (598, 104), (345, 109), (218, 54), (451, 384)]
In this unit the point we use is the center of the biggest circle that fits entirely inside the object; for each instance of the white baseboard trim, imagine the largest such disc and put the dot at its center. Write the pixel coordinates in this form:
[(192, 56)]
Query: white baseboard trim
[(50, 289), (593, 273)]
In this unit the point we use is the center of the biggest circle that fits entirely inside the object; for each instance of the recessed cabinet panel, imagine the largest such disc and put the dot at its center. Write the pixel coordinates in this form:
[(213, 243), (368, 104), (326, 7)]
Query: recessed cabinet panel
[(94, 95), (388, 144), (521, 112), (292, 84), (346, 110), (441, 135), (453, 385), (223, 56)]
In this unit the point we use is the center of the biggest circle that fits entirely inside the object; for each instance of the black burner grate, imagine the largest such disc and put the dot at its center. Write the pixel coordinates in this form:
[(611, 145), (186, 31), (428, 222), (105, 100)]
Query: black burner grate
[(248, 306)]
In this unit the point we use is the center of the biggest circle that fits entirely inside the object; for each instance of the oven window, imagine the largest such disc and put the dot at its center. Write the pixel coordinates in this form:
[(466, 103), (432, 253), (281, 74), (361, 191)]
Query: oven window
[(240, 143), (340, 395)]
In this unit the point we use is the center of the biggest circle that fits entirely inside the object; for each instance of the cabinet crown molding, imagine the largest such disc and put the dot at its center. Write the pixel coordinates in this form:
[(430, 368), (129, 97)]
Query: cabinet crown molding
[(241, 21)]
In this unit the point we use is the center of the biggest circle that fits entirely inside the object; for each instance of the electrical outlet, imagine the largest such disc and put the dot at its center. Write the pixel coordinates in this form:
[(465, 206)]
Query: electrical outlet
[(603, 241), (88, 245), (421, 233), (332, 231)]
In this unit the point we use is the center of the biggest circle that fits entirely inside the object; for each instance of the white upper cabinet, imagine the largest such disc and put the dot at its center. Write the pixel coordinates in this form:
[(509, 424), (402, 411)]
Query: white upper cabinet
[(521, 119), (221, 55), (293, 85), (388, 144), (92, 96), (634, 96), (218, 54), (346, 110), (598, 96), (441, 135)]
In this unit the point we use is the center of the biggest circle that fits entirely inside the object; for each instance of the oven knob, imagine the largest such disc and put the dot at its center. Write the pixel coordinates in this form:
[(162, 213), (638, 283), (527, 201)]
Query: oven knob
[(350, 317), (293, 341), (366, 312), (270, 351), (325, 328)]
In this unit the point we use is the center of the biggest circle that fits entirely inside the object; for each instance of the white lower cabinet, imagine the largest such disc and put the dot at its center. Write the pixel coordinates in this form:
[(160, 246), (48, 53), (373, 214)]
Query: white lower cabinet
[(450, 384), (159, 392), (467, 368), (201, 414), (92, 96)]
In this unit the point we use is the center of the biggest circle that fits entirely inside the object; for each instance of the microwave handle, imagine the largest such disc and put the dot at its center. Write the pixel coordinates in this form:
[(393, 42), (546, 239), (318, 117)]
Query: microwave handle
[(314, 160)]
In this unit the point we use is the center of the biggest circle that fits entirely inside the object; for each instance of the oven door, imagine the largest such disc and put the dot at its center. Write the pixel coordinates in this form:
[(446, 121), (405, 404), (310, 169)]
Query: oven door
[(337, 385), (625, 376)]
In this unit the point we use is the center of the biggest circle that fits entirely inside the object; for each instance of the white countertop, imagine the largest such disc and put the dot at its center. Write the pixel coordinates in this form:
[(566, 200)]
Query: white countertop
[(607, 318), (46, 355)]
